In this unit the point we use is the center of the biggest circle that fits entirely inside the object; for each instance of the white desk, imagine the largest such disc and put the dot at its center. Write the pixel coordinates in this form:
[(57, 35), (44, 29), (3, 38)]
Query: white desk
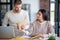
[(58, 38)]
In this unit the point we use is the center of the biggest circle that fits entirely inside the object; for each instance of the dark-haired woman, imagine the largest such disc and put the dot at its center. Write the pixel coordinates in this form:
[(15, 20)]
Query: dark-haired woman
[(41, 26)]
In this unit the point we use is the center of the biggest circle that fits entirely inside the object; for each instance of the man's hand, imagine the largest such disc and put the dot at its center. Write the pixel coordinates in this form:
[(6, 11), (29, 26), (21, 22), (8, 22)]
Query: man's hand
[(22, 27)]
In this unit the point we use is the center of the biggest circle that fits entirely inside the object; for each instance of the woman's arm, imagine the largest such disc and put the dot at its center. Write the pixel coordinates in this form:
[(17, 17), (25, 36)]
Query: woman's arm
[(50, 28)]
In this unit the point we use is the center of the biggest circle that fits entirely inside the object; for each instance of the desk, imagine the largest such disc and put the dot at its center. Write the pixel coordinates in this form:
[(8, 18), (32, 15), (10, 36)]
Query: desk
[(57, 38)]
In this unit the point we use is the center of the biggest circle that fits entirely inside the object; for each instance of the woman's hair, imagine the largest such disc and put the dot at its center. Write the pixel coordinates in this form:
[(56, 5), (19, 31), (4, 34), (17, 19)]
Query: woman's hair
[(17, 2), (43, 11)]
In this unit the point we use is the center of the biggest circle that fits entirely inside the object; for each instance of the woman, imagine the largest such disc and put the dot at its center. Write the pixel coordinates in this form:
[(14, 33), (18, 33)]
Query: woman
[(41, 26)]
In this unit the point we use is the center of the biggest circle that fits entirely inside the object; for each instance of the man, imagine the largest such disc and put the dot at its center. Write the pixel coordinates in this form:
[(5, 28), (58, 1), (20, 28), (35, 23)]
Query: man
[(16, 17)]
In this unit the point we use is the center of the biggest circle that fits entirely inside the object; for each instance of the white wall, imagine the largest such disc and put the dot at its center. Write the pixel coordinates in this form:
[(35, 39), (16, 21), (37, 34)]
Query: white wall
[(34, 7)]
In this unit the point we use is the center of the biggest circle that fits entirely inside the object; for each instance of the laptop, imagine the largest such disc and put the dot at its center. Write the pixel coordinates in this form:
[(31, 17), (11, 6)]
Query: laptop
[(7, 32)]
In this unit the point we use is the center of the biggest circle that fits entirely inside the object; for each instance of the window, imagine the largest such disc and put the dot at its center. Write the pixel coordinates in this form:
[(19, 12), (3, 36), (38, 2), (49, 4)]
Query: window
[(52, 0), (5, 5), (52, 11), (4, 1)]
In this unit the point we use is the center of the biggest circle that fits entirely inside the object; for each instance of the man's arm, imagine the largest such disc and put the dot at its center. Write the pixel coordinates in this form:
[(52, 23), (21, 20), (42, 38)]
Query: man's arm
[(27, 19), (5, 20)]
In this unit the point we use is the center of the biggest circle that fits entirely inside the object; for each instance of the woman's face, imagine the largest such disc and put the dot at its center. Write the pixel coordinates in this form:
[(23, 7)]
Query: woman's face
[(40, 16)]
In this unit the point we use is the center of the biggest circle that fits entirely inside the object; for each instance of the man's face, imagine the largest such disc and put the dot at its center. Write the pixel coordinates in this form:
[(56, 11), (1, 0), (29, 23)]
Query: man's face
[(17, 7)]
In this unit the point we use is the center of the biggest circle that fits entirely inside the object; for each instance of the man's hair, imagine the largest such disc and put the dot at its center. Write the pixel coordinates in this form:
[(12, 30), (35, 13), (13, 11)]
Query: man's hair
[(17, 2)]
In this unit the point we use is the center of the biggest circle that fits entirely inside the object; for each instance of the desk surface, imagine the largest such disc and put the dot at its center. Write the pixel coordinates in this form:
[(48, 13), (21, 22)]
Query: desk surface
[(22, 39), (57, 38)]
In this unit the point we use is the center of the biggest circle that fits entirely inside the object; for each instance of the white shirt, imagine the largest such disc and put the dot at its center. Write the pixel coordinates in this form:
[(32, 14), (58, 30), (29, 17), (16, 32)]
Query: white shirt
[(13, 18)]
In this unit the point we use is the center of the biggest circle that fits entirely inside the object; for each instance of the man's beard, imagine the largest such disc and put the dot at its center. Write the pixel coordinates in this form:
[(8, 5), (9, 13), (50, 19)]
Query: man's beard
[(16, 10)]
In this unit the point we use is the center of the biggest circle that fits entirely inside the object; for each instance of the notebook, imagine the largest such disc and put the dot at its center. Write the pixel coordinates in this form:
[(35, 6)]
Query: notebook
[(7, 32)]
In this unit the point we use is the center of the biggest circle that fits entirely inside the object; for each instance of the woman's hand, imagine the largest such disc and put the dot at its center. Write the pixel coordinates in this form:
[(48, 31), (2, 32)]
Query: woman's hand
[(43, 35)]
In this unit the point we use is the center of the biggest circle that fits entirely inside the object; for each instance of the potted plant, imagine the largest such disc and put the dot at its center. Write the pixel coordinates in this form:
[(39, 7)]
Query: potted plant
[(52, 37)]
